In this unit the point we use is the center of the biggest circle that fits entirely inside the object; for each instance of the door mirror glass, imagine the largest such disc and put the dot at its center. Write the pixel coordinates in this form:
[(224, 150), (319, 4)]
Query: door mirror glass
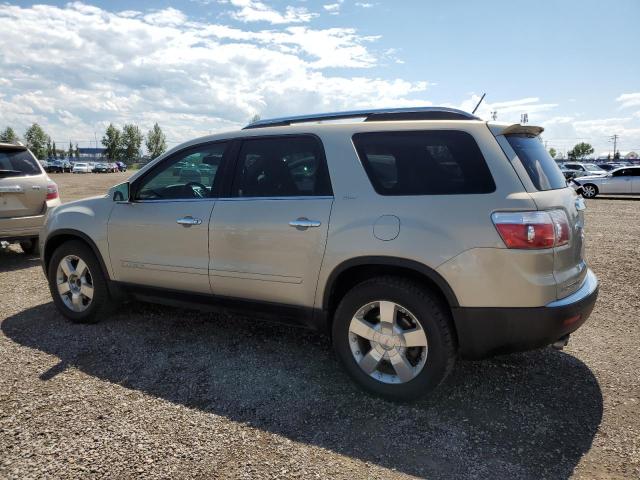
[(121, 192)]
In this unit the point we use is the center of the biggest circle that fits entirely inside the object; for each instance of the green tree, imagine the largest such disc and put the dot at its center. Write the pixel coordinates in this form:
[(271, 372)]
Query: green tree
[(77, 152), (112, 140), (8, 136), (49, 148), (37, 141), (70, 155), (156, 142), (552, 152), (254, 119), (616, 156), (54, 151), (131, 142), (580, 151)]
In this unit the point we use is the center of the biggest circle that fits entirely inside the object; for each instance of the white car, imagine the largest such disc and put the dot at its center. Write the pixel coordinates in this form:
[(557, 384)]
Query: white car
[(81, 168), (621, 181)]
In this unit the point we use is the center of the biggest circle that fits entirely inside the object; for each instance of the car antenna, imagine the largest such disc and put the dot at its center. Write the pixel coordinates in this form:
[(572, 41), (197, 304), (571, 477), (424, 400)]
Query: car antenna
[(481, 98)]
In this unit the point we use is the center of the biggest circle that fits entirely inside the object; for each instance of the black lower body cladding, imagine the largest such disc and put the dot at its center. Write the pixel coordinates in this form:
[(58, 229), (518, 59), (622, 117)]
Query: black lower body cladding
[(483, 332)]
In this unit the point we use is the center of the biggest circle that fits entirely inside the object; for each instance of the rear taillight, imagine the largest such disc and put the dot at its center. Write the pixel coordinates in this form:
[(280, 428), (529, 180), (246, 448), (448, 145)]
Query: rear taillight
[(532, 230), (52, 191)]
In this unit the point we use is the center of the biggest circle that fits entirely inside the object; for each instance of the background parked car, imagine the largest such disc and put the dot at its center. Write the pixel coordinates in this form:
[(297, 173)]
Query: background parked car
[(102, 168), (610, 166), (81, 167), (122, 167), (622, 181), (586, 168)]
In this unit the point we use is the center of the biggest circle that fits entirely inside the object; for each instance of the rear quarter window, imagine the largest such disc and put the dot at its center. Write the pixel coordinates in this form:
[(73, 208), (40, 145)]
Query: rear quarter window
[(433, 162), (17, 163), (541, 168)]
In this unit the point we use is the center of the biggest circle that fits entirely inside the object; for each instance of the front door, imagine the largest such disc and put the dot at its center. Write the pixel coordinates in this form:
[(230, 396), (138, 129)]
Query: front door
[(161, 237), (269, 234), (618, 182)]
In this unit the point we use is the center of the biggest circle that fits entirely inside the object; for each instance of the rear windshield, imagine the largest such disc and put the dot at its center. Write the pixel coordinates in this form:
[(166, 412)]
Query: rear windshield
[(434, 162), (542, 169), (17, 163)]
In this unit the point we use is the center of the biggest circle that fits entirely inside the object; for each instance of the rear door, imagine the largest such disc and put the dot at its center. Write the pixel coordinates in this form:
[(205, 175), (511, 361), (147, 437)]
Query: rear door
[(23, 186), (268, 235), (548, 188)]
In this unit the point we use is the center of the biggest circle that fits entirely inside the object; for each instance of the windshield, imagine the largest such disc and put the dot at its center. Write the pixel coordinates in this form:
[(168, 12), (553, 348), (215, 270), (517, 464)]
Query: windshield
[(542, 169), (17, 163), (593, 166)]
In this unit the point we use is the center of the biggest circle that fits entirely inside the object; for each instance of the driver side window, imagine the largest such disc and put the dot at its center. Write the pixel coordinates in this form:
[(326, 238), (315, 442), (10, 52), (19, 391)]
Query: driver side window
[(187, 175)]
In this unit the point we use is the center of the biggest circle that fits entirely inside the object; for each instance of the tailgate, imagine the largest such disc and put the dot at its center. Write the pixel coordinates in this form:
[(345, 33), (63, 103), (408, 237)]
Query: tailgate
[(22, 196), (23, 183), (547, 186), (569, 267)]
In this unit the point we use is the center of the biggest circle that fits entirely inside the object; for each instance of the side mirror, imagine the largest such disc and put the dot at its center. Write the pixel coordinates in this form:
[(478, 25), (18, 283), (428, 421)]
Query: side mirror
[(120, 193)]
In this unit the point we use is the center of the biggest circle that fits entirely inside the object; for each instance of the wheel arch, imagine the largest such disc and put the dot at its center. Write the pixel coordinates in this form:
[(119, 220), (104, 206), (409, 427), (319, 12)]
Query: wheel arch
[(353, 271), (57, 238)]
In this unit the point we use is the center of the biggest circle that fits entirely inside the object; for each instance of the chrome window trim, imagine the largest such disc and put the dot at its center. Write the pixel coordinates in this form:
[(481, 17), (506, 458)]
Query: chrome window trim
[(168, 200), (299, 197)]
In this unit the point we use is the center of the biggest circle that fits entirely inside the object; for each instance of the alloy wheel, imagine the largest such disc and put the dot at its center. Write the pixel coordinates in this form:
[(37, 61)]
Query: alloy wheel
[(388, 342), (74, 283), (589, 191)]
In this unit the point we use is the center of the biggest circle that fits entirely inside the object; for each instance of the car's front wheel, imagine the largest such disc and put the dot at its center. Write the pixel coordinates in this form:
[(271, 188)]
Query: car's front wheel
[(394, 338), (589, 190), (77, 283)]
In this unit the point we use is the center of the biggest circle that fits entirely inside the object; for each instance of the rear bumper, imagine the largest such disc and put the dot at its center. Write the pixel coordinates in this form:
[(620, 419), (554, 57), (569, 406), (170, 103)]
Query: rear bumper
[(483, 332), (21, 227)]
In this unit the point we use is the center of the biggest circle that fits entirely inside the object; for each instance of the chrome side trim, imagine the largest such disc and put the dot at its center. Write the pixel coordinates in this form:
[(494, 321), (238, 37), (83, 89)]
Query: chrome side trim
[(589, 286), (173, 200), (246, 199)]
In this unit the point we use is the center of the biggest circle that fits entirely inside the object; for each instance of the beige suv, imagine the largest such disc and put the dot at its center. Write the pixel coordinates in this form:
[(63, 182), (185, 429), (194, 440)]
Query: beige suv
[(26, 194), (411, 236)]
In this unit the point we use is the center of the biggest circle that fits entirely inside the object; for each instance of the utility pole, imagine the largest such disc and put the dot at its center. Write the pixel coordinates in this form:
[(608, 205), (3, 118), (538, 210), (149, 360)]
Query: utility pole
[(524, 118), (615, 143)]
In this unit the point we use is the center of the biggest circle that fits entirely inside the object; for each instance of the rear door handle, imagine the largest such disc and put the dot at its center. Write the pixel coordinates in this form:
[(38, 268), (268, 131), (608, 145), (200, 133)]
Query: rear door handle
[(188, 221), (303, 222)]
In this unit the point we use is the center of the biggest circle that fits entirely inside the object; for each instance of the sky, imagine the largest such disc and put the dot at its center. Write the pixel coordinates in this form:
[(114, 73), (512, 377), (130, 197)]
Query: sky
[(204, 66)]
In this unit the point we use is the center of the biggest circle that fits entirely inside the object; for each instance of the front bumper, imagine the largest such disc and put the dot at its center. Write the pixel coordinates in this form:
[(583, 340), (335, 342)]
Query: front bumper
[(483, 332)]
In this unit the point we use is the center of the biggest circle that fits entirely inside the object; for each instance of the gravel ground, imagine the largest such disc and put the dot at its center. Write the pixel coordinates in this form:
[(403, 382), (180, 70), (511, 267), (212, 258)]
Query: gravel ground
[(167, 393)]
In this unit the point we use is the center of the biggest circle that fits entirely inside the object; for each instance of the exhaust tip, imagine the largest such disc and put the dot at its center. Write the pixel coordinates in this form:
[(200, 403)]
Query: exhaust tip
[(561, 342)]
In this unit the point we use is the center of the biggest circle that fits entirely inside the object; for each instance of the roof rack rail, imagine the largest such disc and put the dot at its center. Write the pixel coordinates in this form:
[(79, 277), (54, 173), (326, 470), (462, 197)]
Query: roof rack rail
[(384, 114)]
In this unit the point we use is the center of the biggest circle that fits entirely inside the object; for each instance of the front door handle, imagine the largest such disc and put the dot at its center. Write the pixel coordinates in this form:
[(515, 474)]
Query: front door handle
[(304, 223), (188, 221)]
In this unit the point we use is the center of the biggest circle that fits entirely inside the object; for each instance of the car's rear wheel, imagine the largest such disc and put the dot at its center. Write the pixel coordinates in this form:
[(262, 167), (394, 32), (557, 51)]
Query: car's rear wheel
[(394, 338), (30, 246), (589, 190), (78, 284)]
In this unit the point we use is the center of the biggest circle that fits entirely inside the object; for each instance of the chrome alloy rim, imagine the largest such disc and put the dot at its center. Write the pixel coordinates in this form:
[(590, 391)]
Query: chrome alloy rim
[(74, 282), (388, 342), (589, 191)]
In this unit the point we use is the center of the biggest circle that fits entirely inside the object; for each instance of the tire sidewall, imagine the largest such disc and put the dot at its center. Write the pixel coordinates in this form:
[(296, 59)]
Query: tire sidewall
[(101, 294), (431, 315)]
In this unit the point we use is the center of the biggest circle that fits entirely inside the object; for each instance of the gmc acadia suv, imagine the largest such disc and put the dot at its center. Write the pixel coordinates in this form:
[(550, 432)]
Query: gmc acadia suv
[(411, 236)]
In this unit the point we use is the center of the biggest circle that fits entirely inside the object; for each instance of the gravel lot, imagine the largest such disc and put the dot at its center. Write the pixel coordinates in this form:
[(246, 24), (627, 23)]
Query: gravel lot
[(167, 393)]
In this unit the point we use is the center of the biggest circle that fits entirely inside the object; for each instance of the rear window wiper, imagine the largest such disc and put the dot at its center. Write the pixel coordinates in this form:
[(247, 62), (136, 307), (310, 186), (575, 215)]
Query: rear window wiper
[(6, 173)]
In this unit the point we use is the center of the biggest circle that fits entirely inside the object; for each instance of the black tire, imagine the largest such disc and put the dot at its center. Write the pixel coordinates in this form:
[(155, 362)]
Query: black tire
[(101, 304), (30, 246), (595, 190), (433, 316)]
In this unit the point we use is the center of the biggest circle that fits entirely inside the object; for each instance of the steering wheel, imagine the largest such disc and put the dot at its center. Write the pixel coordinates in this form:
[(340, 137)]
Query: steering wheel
[(199, 191)]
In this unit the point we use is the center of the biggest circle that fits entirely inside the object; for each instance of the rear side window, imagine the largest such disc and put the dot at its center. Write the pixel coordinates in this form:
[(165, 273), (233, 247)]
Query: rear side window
[(281, 167), (17, 163), (542, 169), (435, 162)]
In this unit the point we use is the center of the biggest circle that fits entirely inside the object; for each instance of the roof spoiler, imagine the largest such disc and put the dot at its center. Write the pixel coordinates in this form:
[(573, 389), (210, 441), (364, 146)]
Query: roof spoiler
[(517, 129)]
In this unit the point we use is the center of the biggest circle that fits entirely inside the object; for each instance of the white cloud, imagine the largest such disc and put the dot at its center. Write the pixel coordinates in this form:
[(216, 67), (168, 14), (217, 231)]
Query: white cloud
[(82, 67), (629, 100), (364, 4), (333, 8), (256, 11)]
